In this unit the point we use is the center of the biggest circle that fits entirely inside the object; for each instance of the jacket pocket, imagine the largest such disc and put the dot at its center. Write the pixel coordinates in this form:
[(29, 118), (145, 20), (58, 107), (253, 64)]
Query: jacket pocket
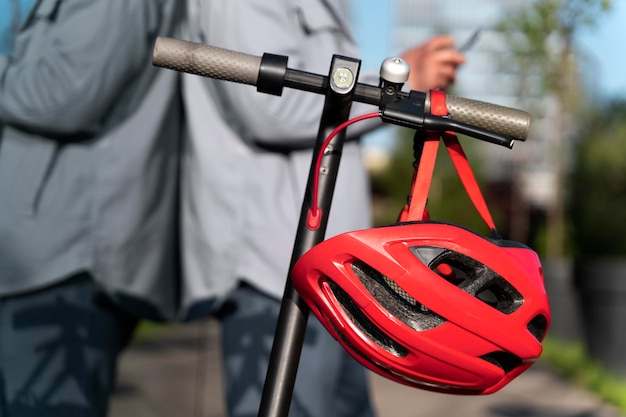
[(316, 15)]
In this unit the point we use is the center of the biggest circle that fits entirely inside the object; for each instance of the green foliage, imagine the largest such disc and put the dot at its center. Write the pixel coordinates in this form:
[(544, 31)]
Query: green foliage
[(540, 39), (391, 186), (526, 35), (573, 362), (598, 184), (147, 329), (579, 13), (540, 241), (543, 54)]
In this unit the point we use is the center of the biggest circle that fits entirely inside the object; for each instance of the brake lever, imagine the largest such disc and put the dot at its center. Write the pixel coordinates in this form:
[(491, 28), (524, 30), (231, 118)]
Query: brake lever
[(442, 124), (409, 110)]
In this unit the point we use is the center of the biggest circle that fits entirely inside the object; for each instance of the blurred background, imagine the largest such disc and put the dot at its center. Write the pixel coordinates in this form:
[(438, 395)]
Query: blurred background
[(563, 191)]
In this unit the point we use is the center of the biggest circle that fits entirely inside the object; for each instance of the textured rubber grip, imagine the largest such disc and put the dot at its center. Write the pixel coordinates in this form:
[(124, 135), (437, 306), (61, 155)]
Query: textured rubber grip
[(205, 60), (499, 119)]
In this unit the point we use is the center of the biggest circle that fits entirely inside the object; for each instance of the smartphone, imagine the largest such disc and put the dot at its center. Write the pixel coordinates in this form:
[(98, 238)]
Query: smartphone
[(470, 41)]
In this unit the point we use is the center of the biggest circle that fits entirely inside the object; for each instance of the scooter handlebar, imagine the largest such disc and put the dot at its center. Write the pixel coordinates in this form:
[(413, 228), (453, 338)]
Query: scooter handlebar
[(224, 64), (507, 121), (206, 60)]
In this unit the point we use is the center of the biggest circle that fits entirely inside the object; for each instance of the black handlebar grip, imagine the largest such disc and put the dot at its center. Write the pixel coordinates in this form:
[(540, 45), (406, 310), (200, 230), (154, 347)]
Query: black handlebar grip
[(499, 119), (205, 60)]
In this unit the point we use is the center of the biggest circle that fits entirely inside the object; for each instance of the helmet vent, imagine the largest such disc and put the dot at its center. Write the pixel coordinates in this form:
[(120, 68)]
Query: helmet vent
[(500, 295), (395, 300), (364, 324), (504, 360), (538, 326), (471, 276)]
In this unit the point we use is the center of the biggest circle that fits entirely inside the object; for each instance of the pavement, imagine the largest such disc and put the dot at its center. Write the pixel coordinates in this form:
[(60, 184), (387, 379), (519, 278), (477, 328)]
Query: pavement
[(176, 373)]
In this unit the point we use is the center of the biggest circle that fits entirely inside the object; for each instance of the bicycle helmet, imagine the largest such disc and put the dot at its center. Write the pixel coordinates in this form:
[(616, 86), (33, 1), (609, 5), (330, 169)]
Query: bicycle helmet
[(429, 304)]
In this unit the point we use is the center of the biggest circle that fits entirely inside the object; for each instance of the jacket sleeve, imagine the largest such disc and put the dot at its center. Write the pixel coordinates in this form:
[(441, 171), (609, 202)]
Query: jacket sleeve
[(72, 59), (309, 33)]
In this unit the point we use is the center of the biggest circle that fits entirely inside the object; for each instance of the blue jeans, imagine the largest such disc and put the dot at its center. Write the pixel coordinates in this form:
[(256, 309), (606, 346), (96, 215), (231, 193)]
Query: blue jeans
[(329, 381), (58, 350)]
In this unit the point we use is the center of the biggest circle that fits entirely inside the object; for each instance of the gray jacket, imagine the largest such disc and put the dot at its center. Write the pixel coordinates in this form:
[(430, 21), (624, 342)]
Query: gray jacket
[(241, 202), (88, 155)]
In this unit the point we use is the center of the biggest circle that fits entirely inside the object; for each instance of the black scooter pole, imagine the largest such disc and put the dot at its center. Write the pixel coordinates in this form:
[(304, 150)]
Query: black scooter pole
[(291, 326), (493, 123)]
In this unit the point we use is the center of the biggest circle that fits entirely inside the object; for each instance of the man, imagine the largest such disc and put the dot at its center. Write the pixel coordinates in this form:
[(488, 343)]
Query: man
[(88, 186), (245, 169)]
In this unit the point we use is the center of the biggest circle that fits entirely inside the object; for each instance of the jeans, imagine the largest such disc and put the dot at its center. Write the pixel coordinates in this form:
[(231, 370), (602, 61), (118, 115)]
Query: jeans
[(58, 350), (329, 381)]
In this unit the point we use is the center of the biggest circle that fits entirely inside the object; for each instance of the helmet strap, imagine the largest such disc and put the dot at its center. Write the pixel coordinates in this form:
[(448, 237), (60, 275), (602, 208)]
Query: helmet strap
[(416, 210), (422, 177)]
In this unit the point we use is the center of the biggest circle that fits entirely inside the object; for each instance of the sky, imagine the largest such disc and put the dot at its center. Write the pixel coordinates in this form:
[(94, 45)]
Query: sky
[(606, 44), (369, 23)]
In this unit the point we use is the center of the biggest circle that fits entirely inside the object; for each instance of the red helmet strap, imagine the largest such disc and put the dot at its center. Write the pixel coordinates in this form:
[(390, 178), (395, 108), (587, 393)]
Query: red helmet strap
[(422, 177), (466, 175)]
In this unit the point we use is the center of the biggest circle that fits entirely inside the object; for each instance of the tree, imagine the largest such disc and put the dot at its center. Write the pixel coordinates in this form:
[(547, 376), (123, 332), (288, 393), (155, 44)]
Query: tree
[(598, 184), (540, 39)]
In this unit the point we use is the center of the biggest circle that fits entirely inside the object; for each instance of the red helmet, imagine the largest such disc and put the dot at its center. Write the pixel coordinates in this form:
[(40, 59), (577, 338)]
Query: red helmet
[(429, 304)]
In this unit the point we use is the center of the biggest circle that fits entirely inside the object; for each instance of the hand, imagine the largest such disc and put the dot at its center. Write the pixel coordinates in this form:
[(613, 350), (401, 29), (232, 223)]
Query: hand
[(433, 64)]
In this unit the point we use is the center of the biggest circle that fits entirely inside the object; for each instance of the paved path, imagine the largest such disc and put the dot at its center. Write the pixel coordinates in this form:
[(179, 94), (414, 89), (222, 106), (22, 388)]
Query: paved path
[(176, 374)]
